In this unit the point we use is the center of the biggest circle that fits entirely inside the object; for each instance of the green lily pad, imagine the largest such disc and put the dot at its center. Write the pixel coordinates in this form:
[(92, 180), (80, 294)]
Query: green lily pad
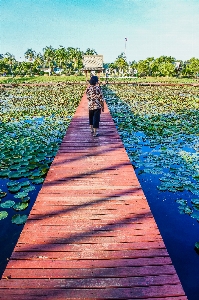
[(21, 195), (26, 199), (182, 202), (3, 215), (29, 189), (36, 173), (12, 183), (7, 204), (17, 160), (162, 188), (195, 202), (25, 183), (14, 189), (19, 219), (197, 246), (181, 209), (38, 180), (14, 175), (2, 194), (20, 206), (195, 215), (4, 173)]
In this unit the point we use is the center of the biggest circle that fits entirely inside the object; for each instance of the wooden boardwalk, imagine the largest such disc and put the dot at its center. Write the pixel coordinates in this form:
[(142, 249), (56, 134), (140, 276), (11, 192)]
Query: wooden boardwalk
[(90, 234)]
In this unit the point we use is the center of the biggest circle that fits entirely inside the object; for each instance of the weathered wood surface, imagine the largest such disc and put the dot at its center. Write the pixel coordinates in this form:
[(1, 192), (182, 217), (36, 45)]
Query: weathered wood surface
[(90, 234)]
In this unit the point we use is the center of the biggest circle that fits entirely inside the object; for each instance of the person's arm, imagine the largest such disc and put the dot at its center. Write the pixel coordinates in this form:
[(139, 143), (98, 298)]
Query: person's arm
[(101, 98)]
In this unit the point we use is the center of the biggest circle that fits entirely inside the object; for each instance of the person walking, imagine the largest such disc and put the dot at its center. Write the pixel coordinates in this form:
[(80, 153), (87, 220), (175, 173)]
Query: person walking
[(95, 104)]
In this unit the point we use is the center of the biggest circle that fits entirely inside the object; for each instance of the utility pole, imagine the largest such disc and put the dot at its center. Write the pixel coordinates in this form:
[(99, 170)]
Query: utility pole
[(125, 46)]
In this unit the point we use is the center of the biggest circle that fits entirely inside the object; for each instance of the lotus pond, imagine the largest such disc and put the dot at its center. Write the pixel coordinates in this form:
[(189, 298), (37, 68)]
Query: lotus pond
[(159, 127), (33, 121)]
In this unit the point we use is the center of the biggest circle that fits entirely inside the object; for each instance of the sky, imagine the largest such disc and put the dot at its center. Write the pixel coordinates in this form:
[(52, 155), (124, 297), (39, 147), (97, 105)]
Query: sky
[(152, 27)]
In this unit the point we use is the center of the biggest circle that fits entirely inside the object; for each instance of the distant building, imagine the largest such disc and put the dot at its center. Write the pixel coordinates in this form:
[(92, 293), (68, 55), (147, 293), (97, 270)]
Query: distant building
[(93, 64)]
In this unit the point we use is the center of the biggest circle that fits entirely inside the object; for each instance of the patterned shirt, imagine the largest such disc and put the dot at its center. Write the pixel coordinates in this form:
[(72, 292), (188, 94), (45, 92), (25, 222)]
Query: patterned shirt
[(94, 96)]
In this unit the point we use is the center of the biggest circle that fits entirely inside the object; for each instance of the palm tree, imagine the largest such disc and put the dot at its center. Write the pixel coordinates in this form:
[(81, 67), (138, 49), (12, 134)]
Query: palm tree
[(121, 63), (61, 56), (49, 55), (75, 58), (39, 61), (30, 55), (10, 60), (90, 52)]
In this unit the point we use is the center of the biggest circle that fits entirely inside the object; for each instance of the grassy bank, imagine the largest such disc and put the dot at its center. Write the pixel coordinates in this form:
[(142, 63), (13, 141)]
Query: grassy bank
[(54, 79), (42, 79)]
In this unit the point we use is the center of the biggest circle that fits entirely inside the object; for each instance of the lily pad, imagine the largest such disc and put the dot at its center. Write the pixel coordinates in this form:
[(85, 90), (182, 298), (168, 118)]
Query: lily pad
[(20, 206), (38, 181), (182, 202), (3, 215), (29, 189), (25, 183), (26, 199), (19, 219), (7, 204), (21, 195), (14, 175), (195, 215), (4, 173), (2, 194), (197, 246), (195, 202), (14, 189), (12, 183), (188, 210)]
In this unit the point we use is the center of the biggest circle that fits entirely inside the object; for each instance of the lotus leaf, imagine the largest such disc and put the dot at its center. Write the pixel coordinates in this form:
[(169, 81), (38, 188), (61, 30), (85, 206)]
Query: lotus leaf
[(182, 202), (38, 181), (195, 202), (14, 189), (4, 173), (188, 210), (25, 183), (25, 199), (197, 246), (19, 219), (3, 215), (20, 206), (15, 167), (21, 195), (195, 215), (14, 175), (12, 183), (29, 189), (181, 209), (7, 204), (2, 194), (17, 160)]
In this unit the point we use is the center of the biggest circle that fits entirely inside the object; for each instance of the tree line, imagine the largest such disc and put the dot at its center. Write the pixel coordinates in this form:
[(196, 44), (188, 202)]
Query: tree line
[(69, 61)]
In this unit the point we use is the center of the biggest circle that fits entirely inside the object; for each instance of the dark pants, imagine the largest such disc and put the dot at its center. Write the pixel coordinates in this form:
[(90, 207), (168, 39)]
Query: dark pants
[(94, 117)]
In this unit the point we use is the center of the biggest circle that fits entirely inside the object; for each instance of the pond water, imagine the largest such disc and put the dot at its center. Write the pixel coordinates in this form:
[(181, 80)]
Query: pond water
[(179, 232), (10, 232)]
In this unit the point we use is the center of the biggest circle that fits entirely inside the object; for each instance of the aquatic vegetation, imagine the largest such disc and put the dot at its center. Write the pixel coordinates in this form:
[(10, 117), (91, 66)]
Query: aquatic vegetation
[(33, 121), (159, 127)]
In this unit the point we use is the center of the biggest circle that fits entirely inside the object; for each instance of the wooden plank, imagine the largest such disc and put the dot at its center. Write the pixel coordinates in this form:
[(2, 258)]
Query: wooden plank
[(100, 293), (91, 282), (91, 263)]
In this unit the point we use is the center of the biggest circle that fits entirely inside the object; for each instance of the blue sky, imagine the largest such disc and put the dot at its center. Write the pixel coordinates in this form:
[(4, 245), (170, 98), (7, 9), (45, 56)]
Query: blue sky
[(152, 27)]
